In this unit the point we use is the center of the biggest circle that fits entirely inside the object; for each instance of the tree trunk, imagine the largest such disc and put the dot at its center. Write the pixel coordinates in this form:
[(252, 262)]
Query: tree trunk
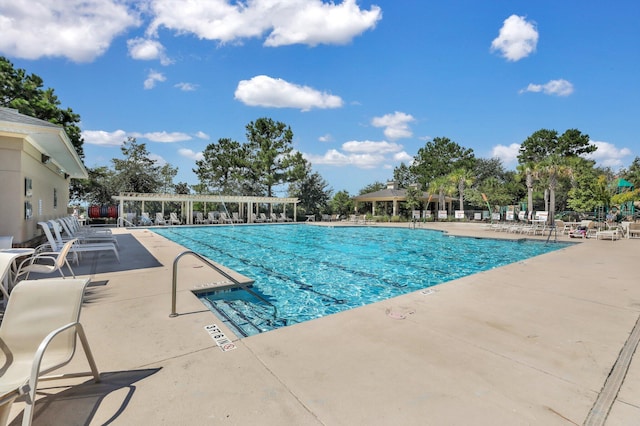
[(529, 182)]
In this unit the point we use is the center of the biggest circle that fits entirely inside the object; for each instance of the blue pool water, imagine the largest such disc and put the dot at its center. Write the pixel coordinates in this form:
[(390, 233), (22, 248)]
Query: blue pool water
[(305, 272)]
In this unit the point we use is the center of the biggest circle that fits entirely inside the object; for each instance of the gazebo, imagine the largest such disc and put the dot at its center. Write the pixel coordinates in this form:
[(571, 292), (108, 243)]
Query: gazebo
[(395, 195)]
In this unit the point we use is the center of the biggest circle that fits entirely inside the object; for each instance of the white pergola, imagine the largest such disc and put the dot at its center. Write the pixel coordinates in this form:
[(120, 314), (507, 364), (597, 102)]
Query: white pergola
[(246, 203)]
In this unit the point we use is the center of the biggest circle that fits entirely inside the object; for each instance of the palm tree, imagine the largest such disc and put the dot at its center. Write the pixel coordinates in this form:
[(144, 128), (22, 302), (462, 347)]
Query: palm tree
[(461, 178), (552, 168), (442, 186)]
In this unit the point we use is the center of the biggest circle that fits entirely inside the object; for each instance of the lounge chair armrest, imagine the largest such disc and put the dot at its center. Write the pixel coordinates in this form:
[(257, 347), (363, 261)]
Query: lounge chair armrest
[(37, 359), (35, 257)]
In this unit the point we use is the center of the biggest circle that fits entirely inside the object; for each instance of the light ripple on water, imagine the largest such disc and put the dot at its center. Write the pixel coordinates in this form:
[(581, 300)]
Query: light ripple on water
[(306, 272)]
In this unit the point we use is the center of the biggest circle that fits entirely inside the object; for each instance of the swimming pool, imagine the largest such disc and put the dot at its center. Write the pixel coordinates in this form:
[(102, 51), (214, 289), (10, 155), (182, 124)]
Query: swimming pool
[(305, 272)]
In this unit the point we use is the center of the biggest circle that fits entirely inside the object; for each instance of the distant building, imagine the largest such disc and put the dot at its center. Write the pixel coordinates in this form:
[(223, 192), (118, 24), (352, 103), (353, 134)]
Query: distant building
[(37, 160), (395, 195)]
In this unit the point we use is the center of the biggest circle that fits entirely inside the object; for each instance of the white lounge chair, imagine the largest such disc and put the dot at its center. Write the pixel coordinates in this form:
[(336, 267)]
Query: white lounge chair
[(52, 262), (264, 218), (38, 333), (224, 218), (56, 244), (284, 218), (84, 237), (145, 220), (77, 228), (200, 218), (236, 218), (211, 217), (173, 219), (160, 219)]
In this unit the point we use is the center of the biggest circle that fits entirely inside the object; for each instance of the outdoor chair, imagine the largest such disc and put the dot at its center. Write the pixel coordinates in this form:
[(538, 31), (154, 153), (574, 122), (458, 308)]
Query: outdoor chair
[(145, 220), (53, 262), (173, 219), (200, 218), (211, 217), (224, 218), (56, 243), (236, 218), (38, 335), (83, 237), (160, 219)]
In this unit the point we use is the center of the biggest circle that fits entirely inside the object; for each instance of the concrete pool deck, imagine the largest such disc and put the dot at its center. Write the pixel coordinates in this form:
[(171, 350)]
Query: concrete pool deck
[(531, 343)]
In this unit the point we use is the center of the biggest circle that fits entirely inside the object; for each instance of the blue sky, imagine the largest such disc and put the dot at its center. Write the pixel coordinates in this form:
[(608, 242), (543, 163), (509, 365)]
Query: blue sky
[(363, 84)]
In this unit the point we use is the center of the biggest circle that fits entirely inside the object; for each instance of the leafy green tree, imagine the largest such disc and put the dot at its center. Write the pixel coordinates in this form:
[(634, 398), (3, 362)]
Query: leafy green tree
[(136, 172), (546, 155), (97, 189), (313, 192), (440, 157), (269, 154), (182, 188), (485, 168), (632, 174), (403, 176), (25, 93), (461, 178), (442, 186), (341, 203), (372, 187), (221, 166), (166, 174), (413, 197)]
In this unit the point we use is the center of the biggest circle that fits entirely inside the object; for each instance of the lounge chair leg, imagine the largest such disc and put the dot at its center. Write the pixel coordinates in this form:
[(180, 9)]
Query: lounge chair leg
[(87, 352)]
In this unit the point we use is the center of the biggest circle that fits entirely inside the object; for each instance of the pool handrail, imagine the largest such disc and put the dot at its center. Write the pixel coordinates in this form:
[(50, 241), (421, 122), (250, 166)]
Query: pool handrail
[(174, 285)]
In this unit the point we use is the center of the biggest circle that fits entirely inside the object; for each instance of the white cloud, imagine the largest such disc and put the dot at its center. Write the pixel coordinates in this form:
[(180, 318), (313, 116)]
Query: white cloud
[(507, 154), (371, 147), (100, 137), (396, 125), (147, 50), (189, 153), (336, 158), (80, 30), (152, 78), (403, 157), (186, 87), (160, 161), (361, 154), (517, 38), (163, 136), (325, 138), (608, 155), (310, 22), (265, 91), (202, 135), (554, 87)]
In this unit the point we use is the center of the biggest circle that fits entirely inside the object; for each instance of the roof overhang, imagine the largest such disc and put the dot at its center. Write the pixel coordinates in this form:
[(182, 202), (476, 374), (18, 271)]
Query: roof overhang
[(51, 141)]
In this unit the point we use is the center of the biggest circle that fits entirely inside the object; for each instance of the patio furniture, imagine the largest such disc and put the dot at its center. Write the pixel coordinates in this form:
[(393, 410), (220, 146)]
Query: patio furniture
[(38, 332), (160, 219), (6, 242), (56, 244), (633, 230), (52, 262)]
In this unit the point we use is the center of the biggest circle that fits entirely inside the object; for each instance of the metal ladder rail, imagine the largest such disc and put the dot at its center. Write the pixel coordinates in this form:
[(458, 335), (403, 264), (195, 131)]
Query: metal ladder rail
[(174, 284)]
